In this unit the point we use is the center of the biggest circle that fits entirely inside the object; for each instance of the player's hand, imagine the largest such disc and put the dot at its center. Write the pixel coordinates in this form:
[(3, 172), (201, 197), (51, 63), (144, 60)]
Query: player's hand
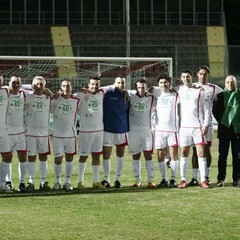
[(48, 92), (204, 130), (57, 94), (83, 90), (150, 89)]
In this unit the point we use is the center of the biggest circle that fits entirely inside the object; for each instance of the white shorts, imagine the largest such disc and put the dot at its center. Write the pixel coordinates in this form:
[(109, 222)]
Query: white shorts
[(4, 141), (111, 139), (64, 145), (140, 141), (38, 145), (189, 136), (18, 142), (164, 139), (90, 143)]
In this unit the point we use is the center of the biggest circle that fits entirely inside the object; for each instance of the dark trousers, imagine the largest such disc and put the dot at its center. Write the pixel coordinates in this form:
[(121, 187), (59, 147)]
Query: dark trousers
[(223, 148)]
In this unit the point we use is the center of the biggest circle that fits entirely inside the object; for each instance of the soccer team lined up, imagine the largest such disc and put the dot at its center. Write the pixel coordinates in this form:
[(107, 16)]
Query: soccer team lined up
[(162, 117)]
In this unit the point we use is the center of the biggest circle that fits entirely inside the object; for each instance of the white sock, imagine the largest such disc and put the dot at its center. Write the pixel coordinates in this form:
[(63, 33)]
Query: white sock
[(31, 171), (43, 171), (4, 171), (195, 173), (174, 169), (183, 168), (95, 169), (166, 160), (58, 172), (68, 171), (162, 168), (202, 163), (136, 165), (150, 170), (106, 169), (119, 168), (81, 170), (22, 168), (9, 173)]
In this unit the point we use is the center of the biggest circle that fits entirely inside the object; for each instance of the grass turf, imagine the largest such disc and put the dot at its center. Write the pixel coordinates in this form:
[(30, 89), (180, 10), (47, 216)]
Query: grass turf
[(127, 213)]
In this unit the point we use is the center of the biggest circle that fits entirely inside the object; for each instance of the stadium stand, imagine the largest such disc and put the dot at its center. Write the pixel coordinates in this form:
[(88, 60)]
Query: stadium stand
[(160, 33), (26, 40), (146, 41)]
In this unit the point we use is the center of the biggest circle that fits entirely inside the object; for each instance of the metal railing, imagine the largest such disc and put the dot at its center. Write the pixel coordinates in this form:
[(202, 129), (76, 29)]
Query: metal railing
[(104, 18)]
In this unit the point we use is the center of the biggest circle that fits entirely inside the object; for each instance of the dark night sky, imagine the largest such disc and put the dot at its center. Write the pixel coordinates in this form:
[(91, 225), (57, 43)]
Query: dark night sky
[(232, 14)]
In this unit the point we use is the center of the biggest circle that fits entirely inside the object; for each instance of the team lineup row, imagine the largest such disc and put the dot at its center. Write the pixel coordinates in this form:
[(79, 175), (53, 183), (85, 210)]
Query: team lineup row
[(112, 116)]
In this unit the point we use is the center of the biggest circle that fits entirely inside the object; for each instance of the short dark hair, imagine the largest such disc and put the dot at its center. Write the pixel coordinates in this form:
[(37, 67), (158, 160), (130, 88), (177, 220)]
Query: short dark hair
[(204, 67), (140, 80), (189, 71), (165, 76), (94, 78)]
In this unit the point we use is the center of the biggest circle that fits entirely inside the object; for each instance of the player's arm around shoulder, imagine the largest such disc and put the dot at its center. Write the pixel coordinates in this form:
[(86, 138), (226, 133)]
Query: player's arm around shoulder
[(178, 87), (6, 88), (153, 91), (107, 88), (81, 95)]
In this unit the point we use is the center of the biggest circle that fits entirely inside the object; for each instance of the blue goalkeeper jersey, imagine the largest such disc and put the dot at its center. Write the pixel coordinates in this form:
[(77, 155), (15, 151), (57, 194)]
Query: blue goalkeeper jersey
[(115, 112)]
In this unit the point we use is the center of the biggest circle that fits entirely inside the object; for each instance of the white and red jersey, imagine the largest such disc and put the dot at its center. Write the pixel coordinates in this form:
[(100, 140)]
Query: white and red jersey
[(211, 90), (167, 111), (3, 106), (140, 112), (194, 107), (64, 116), (15, 113), (37, 115), (91, 111)]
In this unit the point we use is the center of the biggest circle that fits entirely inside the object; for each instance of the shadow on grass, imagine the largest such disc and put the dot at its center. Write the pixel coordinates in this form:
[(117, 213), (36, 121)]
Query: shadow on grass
[(39, 193), (128, 189)]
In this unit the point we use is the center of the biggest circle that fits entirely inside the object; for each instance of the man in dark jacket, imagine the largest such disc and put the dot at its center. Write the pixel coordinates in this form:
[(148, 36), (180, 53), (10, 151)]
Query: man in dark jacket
[(226, 110)]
